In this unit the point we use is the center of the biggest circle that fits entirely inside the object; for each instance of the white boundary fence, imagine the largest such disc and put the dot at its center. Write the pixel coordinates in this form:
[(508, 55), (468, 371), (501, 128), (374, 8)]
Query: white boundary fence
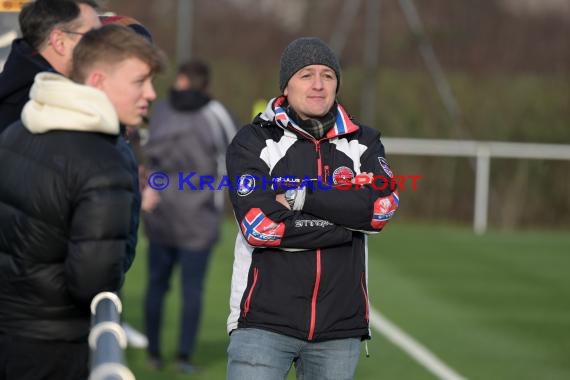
[(107, 339), (482, 151)]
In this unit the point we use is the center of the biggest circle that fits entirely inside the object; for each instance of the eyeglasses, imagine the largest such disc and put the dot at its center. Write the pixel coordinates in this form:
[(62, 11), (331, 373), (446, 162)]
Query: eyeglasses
[(70, 32)]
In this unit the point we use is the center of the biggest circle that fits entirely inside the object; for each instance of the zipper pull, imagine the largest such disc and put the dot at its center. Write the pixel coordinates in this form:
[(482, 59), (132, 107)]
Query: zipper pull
[(326, 174)]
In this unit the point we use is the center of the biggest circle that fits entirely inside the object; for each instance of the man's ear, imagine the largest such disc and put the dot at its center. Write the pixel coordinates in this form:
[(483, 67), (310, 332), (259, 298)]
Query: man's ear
[(56, 41), (285, 92), (96, 78)]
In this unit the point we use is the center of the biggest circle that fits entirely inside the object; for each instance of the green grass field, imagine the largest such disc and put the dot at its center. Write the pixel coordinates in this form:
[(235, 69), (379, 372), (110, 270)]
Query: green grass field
[(490, 307)]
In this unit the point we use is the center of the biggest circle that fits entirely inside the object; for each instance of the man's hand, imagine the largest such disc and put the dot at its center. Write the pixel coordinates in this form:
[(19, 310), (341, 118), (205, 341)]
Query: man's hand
[(281, 199), (150, 199), (369, 174)]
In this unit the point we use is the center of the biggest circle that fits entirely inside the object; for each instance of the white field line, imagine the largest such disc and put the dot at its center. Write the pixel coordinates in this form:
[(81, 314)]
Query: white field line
[(412, 347)]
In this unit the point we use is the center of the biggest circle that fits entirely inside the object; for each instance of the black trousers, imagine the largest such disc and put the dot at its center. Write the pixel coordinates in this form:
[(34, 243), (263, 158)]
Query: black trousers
[(30, 359)]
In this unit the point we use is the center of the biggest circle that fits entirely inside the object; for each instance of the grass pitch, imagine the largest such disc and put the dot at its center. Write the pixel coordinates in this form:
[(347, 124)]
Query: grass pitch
[(491, 307)]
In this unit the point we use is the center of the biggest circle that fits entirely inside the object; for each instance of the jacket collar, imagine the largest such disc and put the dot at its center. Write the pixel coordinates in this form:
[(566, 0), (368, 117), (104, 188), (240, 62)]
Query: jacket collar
[(22, 65), (276, 113), (188, 100)]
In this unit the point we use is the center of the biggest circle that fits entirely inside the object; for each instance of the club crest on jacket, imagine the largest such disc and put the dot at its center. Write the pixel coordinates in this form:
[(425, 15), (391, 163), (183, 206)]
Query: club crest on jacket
[(342, 174), (246, 185)]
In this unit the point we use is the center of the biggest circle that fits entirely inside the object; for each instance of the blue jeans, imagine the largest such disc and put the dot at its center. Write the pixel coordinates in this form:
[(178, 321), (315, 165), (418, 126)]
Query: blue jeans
[(255, 354), (161, 262)]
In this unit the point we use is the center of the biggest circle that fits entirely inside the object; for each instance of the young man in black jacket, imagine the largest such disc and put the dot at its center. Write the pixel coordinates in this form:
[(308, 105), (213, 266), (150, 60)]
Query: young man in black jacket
[(299, 283), (50, 31), (65, 203)]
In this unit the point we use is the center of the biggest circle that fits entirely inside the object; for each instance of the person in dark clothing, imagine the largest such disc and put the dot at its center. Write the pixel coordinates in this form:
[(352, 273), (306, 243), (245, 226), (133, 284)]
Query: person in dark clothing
[(65, 203), (188, 133), (50, 31), (300, 277)]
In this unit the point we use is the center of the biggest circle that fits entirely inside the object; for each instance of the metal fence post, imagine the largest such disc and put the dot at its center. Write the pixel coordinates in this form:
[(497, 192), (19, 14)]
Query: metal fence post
[(483, 170), (107, 339)]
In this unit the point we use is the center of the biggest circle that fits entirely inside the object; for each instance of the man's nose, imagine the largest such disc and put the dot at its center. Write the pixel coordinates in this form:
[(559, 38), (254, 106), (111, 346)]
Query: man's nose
[(318, 83), (149, 92)]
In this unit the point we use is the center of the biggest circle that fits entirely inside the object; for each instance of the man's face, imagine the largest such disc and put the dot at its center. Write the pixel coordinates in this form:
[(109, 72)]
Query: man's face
[(311, 91), (128, 85)]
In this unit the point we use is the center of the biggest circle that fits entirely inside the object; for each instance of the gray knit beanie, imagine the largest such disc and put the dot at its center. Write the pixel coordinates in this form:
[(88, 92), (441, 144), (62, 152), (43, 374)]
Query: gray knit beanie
[(303, 52)]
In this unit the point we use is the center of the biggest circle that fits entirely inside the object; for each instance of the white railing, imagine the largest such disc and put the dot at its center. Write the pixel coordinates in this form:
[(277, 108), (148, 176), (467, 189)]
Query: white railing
[(482, 151), (107, 339)]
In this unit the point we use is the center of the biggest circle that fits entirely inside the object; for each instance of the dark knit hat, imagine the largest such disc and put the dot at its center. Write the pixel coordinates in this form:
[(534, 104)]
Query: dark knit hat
[(129, 22), (303, 52)]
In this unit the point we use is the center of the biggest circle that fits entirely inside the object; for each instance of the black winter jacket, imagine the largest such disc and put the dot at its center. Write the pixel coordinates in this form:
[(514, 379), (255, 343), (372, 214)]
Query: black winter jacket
[(16, 79), (65, 205), (302, 272)]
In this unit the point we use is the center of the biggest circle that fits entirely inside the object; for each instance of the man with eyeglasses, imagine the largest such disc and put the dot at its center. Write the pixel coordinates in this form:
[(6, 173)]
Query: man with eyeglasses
[(50, 31)]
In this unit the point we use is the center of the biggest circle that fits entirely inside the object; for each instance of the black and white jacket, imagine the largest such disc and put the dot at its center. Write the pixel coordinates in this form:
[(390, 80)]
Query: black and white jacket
[(303, 272)]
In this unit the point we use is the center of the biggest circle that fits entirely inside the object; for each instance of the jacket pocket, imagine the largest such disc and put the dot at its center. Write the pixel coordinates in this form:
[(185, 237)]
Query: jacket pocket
[(247, 303), (365, 293)]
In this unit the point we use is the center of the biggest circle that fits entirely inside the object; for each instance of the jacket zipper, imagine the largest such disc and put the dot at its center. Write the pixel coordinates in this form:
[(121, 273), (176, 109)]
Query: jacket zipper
[(248, 299), (318, 150), (315, 293), (365, 296), (317, 253), (326, 175), (319, 159)]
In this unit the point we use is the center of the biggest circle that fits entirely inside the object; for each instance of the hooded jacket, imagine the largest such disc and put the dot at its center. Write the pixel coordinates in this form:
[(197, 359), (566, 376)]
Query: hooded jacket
[(188, 134), (17, 78), (302, 272), (65, 203)]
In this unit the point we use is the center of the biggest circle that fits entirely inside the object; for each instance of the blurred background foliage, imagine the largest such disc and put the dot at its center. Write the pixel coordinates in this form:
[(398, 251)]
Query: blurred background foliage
[(507, 62)]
